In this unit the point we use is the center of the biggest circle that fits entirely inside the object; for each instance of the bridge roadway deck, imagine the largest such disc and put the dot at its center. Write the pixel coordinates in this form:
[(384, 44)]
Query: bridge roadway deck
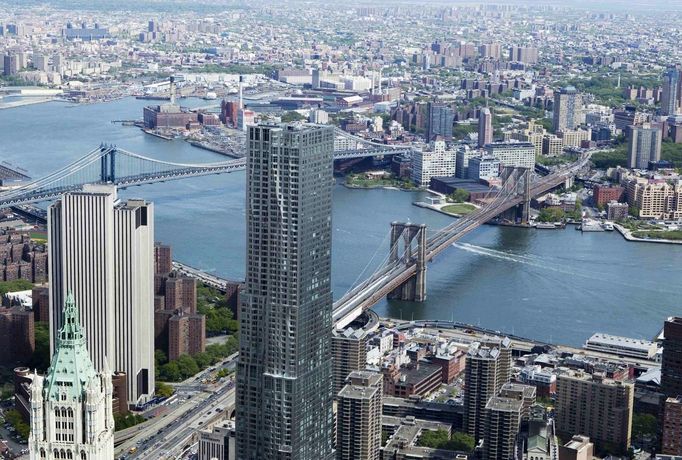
[(51, 187), (372, 290)]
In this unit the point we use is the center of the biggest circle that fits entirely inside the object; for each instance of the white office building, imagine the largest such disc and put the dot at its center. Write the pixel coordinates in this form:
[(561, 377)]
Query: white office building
[(484, 167), (218, 442), (101, 250), (622, 346), (435, 161), (513, 154)]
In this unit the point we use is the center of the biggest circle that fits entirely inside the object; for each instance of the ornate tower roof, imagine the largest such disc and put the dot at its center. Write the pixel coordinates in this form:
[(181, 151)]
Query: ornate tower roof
[(71, 368)]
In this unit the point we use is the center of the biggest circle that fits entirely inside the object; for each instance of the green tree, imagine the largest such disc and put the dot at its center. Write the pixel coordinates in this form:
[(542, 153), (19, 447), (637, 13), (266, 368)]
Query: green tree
[(16, 285), (121, 422), (170, 372), (160, 357), (187, 366), (203, 360), (433, 439), (14, 418), (644, 425), (163, 390), (40, 359), (551, 215), (459, 195), (288, 117), (462, 442)]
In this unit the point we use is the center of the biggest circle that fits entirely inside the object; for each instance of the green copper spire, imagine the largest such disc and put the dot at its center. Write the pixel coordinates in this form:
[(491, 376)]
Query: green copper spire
[(71, 368)]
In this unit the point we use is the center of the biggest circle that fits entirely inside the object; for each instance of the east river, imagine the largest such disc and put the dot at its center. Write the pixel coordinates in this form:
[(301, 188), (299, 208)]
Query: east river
[(558, 286)]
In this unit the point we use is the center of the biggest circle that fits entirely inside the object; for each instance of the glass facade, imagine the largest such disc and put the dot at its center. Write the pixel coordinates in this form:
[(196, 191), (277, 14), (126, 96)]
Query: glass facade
[(284, 377)]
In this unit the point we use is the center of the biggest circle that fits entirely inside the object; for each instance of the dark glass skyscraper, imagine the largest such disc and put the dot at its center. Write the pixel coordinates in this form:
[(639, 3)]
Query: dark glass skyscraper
[(284, 377), (440, 120)]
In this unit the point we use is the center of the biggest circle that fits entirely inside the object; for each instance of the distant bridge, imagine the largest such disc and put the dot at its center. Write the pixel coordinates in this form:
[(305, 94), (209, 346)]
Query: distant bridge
[(403, 273), (113, 165)]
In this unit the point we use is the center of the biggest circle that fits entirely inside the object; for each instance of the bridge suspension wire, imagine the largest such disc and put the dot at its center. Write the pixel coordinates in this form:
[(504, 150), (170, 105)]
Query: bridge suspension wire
[(381, 244), (491, 197), (58, 179), (380, 268)]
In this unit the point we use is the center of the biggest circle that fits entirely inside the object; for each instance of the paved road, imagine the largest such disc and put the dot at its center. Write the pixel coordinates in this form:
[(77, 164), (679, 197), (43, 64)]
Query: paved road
[(172, 441), (190, 394)]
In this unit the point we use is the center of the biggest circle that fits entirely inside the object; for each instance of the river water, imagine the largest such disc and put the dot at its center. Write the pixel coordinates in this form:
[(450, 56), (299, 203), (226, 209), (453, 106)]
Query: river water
[(558, 286)]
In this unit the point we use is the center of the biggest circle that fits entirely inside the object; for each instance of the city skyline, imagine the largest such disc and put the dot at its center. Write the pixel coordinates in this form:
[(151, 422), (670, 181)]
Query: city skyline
[(302, 230)]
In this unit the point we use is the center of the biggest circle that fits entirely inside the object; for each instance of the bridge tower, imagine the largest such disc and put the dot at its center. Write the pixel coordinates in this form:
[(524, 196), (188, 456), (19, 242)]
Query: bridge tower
[(108, 164), (412, 239), (521, 182)]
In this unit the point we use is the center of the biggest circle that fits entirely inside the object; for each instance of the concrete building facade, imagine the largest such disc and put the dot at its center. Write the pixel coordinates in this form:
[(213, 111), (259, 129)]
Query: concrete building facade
[(358, 425), (435, 161), (102, 250), (488, 367), (597, 407), (644, 145), (567, 109)]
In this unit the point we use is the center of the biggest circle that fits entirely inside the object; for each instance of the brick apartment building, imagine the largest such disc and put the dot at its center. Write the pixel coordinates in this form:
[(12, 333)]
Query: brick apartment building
[(178, 328)]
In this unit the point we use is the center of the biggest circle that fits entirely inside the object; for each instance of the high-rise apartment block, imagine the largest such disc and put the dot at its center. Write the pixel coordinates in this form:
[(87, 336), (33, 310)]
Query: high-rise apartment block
[(654, 198), (567, 109), (178, 328), (485, 127), (597, 407), (436, 161), (488, 367), (349, 351), (284, 376), (671, 442), (22, 258), (358, 431), (71, 407), (671, 365), (492, 50), (440, 118), (462, 157), (644, 145), (527, 55), (163, 258), (102, 250), (671, 98), (17, 335), (502, 421)]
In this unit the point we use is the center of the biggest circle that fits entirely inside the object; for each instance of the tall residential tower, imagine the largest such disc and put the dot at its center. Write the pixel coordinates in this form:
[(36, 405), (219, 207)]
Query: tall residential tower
[(284, 377), (567, 109), (485, 127), (671, 96)]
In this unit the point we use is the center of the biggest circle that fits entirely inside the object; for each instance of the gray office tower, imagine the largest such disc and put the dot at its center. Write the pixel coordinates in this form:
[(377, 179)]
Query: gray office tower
[(284, 376)]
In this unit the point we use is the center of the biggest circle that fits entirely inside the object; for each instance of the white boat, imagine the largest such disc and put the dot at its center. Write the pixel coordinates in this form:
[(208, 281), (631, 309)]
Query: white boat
[(589, 225), (608, 226), (546, 225)]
